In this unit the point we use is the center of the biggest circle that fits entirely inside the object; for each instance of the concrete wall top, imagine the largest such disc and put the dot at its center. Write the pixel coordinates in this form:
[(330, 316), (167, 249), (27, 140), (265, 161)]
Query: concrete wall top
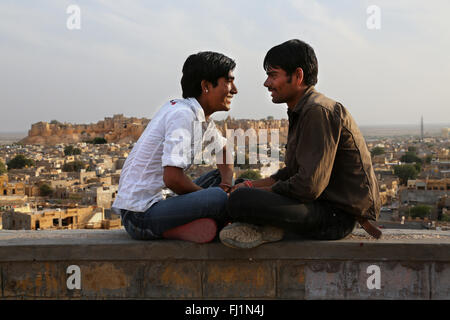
[(109, 245)]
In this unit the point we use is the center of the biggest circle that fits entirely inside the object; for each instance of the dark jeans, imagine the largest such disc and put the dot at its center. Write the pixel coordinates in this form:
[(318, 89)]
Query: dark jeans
[(176, 211), (315, 220)]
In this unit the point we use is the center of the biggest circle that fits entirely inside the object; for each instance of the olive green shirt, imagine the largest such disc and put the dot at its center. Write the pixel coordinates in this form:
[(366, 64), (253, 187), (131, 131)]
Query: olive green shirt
[(327, 158)]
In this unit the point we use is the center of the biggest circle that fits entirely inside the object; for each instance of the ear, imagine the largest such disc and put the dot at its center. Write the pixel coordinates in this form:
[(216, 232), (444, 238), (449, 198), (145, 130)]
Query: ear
[(206, 86), (299, 75)]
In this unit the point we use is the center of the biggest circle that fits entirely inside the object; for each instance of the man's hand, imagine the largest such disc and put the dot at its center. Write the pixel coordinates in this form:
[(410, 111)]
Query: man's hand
[(249, 184)]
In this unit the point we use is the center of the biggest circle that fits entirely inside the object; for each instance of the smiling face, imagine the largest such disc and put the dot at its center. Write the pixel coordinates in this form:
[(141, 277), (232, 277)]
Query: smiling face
[(219, 97)]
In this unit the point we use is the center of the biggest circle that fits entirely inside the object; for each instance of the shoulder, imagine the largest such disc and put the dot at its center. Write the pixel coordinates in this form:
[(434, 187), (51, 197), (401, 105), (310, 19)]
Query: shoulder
[(320, 105), (178, 110)]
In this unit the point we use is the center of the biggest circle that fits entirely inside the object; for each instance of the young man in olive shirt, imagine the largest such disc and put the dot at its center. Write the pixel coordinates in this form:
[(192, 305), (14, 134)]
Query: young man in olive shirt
[(328, 183)]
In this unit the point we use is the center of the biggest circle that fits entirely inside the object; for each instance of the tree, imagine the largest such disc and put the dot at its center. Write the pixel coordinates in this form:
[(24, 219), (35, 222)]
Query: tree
[(3, 169), (19, 162), (377, 151), (420, 211), (99, 140), (74, 166), (412, 149), (45, 190), (410, 157), (405, 172), (70, 150), (250, 174)]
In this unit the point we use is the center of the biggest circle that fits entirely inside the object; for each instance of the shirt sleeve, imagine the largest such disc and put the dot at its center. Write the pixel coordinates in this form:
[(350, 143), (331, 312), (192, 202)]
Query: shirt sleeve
[(177, 141), (318, 138)]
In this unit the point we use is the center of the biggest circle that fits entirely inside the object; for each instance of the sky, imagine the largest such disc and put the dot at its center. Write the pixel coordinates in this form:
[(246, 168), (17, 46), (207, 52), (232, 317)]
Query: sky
[(126, 57)]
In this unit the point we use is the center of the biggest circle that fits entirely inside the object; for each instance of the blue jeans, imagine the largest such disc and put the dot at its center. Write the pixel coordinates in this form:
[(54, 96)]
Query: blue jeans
[(176, 211)]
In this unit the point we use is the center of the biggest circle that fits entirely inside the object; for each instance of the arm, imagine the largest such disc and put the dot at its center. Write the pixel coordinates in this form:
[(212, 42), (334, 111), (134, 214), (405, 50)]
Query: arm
[(177, 152), (225, 167), (175, 179), (315, 153)]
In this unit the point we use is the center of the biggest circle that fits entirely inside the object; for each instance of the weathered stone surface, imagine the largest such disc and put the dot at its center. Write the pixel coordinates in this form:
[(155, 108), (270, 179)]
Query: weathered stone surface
[(291, 280), (110, 279), (176, 279), (237, 279), (398, 281), (113, 266), (440, 281), (32, 280), (325, 280)]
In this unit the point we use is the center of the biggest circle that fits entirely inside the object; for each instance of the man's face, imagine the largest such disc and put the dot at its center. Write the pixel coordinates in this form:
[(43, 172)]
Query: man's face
[(282, 86), (221, 95)]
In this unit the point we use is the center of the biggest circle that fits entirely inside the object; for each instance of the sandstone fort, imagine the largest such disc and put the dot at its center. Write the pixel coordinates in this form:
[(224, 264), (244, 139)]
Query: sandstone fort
[(120, 129)]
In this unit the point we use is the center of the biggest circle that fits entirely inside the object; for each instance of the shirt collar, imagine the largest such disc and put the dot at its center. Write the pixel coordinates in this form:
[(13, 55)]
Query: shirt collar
[(303, 99), (197, 108)]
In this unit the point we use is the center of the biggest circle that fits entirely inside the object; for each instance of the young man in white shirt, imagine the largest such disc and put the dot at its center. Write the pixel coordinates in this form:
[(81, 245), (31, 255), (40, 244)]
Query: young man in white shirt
[(167, 147)]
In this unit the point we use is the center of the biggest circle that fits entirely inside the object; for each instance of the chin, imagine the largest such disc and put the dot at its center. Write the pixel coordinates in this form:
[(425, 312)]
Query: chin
[(276, 100)]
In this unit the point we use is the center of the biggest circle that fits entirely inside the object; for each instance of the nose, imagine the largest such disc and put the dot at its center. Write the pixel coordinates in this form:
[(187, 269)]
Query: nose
[(234, 89), (266, 83)]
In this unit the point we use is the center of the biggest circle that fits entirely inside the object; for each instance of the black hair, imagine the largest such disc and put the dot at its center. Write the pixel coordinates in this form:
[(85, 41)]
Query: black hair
[(207, 65), (291, 55)]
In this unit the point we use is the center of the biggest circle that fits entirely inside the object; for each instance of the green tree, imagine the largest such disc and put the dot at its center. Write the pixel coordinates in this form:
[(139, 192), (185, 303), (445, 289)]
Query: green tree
[(410, 157), (3, 169), (405, 172), (70, 150), (412, 149), (420, 211), (19, 162), (74, 166), (45, 190), (418, 166), (377, 151), (428, 159), (99, 140), (250, 174)]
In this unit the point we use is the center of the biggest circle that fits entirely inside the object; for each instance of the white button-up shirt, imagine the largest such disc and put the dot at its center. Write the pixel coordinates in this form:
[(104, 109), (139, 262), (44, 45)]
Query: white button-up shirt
[(172, 138)]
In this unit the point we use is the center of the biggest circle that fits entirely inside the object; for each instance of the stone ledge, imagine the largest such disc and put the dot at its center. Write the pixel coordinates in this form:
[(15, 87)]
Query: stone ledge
[(413, 264), (117, 245)]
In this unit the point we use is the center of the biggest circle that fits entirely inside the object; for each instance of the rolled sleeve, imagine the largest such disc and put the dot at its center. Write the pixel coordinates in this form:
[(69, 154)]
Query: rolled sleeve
[(315, 154)]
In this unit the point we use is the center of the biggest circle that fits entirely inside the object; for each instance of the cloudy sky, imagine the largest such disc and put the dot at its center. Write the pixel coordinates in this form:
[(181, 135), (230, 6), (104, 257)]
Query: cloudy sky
[(127, 56)]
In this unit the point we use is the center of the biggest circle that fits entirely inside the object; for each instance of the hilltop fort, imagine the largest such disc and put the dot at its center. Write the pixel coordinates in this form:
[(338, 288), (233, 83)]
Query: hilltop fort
[(120, 129)]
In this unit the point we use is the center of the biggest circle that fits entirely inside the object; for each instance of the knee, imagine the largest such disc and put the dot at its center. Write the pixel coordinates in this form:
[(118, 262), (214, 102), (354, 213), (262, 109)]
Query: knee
[(217, 197)]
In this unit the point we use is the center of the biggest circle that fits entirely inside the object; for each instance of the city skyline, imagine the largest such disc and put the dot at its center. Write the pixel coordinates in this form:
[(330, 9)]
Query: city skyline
[(126, 58)]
